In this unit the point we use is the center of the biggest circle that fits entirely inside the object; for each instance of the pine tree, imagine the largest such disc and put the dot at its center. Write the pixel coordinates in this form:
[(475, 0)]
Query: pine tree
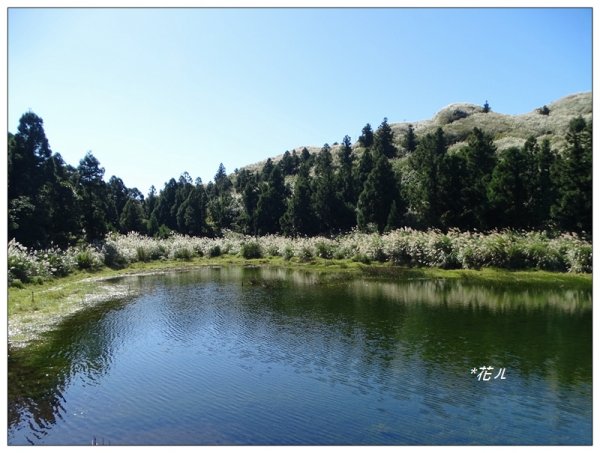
[(325, 201), (394, 219), (366, 139), (384, 140), (480, 159), (544, 190), (250, 194), (132, 217), (375, 201), (192, 213), (94, 198), (365, 165), (410, 140), (271, 203), (300, 218), (572, 210), (427, 194), (509, 191)]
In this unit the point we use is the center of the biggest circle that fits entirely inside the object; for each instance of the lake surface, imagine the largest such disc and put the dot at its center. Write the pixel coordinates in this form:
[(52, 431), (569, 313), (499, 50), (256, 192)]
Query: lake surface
[(263, 356)]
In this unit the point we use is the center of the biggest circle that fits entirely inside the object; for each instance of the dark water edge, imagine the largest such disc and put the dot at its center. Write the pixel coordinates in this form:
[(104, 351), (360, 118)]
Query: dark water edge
[(240, 356)]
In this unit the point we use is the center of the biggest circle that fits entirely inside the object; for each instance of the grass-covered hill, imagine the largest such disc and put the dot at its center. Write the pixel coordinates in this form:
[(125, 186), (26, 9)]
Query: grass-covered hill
[(458, 120)]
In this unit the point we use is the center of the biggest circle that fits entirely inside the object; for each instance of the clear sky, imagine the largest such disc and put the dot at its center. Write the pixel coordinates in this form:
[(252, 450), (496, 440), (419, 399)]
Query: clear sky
[(156, 92)]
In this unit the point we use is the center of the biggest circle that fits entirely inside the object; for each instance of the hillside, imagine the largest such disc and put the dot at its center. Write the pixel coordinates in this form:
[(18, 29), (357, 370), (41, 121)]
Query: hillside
[(458, 120)]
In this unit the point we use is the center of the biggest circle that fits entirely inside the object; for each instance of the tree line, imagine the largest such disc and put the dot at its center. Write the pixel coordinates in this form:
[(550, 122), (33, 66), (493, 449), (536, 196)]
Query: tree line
[(374, 185)]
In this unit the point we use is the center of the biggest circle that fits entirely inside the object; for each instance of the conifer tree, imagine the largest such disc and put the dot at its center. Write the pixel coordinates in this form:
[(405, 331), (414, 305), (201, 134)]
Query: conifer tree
[(325, 201), (480, 159), (410, 140), (366, 139), (380, 190), (426, 162), (508, 190), (384, 140), (192, 213), (271, 203), (94, 198), (132, 217), (572, 210), (300, 218)]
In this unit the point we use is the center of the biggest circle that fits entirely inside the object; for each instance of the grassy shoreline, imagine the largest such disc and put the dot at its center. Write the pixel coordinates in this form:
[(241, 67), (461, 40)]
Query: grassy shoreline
[(35, 308)]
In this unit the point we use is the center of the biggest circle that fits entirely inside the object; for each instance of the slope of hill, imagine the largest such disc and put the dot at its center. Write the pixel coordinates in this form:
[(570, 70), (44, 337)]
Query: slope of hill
[(458, 120)]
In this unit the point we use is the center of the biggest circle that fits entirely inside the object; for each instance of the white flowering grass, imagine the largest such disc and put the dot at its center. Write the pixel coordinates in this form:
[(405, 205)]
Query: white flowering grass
[(405, 247)]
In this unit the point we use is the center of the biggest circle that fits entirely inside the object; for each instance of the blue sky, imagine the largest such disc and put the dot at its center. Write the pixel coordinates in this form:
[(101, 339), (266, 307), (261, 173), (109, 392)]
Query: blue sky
[(156, 92)]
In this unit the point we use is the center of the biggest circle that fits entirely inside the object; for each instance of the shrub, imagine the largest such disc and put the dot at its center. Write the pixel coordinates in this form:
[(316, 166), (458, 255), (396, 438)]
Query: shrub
[(324, 250), (113, 256), (305, 254), (214, 251), (288, 253), (251, 250), (84, 259), (16, 283), (182, 253)]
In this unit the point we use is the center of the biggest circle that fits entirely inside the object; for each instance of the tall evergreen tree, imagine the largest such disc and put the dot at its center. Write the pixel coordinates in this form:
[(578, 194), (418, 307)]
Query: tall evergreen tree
[(250, 194), (299, 217), (480, 159), (192, 213), (509, 189), (410, 140), (94, 198), (384, 140), (572, 210), (544, 191), (271, 203), (380, 191), (426, 162), (163, 210), (132, 217), (366, 139), (326, 204), (365, 165)]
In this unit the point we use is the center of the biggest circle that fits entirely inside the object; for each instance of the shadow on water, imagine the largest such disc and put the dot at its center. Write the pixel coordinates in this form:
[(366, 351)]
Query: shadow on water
[(38, 374), (388, 339)]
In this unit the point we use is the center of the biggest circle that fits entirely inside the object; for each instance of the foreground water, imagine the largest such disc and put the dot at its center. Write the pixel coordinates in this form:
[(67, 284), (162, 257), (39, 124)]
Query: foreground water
[(258, 356)]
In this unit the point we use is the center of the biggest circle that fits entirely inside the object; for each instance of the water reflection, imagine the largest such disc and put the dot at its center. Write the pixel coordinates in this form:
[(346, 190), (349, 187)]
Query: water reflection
[(236, 347)]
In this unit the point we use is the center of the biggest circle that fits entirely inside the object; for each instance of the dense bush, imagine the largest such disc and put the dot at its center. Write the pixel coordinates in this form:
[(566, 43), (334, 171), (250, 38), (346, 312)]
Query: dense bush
[(405, 247), (251, 250)]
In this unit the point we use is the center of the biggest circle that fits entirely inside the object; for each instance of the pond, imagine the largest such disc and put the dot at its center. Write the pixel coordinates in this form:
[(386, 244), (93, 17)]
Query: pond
[(257, 356)]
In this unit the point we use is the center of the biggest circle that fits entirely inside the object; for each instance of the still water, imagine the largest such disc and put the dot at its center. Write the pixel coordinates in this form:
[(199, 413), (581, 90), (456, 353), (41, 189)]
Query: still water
[(257, 356)]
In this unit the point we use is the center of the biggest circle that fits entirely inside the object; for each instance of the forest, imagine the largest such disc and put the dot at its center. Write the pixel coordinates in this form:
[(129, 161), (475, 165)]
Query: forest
[(379, 184)]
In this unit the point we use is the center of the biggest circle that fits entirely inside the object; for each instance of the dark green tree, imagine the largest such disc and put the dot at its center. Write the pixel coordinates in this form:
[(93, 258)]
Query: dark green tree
[(480, 159), (271, 203), (192, 213), (544, 190), (365, 165), (427, 194), (384, 140), (394, 219), (299, 217), (380, 191), (94, 198), (366, 139), (509, 189), (572, 210), (410, 140), (133, 217), (250, 194), (163, 210)]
